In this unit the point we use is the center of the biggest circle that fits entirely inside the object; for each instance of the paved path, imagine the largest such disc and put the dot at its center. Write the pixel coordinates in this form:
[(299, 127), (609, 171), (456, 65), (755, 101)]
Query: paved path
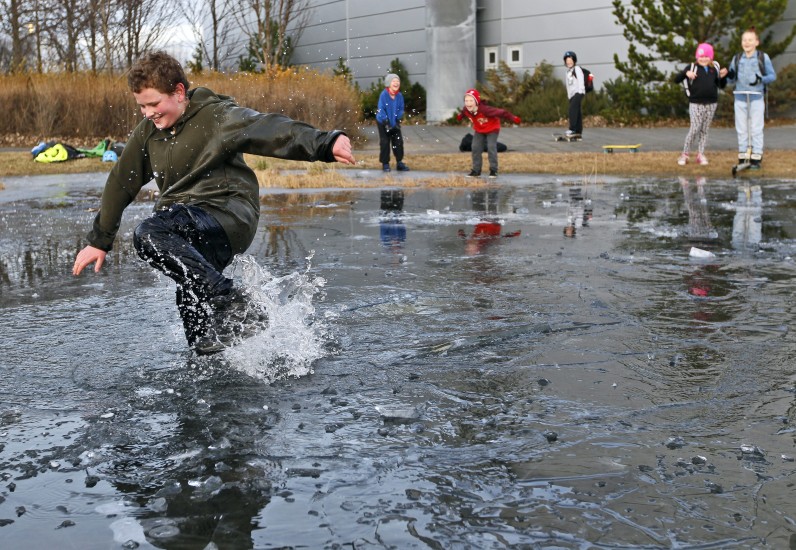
[(445, 139)]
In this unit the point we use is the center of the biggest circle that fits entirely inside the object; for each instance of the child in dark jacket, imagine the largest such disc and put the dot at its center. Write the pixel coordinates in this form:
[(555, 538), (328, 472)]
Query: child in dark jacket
[(486, 127), (702, 87)]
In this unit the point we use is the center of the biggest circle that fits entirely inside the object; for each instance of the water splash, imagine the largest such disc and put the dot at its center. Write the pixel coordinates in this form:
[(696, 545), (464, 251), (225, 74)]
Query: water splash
[(293, 338)]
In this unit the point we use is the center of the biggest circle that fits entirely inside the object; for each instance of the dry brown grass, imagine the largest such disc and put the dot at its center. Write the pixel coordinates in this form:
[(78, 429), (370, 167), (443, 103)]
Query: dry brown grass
[(56, 106), (283, 174), (778, 164)]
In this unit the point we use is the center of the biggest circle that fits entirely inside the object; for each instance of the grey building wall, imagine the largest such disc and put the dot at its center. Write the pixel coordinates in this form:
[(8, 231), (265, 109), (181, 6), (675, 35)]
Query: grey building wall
[(371, 33), (543, 31)]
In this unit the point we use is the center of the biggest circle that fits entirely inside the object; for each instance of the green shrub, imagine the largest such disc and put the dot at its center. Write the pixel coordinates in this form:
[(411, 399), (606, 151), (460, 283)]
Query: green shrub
[(782, 92)]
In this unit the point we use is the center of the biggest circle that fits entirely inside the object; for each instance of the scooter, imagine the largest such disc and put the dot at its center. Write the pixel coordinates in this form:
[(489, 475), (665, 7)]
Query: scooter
[(748, 160)]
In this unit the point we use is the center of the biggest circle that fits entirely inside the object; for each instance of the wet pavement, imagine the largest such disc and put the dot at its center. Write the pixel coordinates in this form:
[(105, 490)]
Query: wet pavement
[(542, 364)]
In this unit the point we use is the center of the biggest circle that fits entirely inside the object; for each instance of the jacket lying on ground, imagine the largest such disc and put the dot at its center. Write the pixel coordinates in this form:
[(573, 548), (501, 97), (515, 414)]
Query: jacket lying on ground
[(200, 162), (54, 151)]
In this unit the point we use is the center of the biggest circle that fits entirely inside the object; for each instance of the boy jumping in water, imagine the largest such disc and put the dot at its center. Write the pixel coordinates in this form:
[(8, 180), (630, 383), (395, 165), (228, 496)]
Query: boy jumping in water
[(191, 142)]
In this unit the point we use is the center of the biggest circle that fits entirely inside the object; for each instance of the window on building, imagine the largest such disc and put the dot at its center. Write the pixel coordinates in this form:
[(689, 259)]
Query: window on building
[(514, 55), (490, 58)]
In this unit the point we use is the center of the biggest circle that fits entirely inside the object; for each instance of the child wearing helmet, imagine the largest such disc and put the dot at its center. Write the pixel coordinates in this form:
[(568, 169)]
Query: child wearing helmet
[(486, 127), (576, 91)]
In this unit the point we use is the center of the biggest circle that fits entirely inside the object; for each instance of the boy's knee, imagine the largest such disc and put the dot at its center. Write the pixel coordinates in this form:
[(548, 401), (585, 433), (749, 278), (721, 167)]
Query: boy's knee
[(142, 238)]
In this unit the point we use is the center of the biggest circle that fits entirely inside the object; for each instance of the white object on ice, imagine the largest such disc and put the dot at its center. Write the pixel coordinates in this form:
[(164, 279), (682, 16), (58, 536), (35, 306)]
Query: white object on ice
[(699, 253)]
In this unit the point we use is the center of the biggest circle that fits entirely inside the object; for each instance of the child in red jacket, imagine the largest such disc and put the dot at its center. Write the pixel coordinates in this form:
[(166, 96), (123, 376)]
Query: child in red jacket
[(486, 127)]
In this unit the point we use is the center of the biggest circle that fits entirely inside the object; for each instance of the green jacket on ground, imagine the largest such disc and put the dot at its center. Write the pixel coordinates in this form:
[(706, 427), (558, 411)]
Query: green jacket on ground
[(200, 162)]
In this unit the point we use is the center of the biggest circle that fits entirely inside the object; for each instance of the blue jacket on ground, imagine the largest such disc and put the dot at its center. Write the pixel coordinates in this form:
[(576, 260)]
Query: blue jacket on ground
[(391, 110)]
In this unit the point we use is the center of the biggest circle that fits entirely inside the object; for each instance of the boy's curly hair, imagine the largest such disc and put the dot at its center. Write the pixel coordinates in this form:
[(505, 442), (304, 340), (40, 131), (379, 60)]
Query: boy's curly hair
[(156, 70)]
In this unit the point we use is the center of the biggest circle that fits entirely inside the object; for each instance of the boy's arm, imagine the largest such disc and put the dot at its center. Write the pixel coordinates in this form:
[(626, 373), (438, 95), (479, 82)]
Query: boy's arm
[(490, 111), (245, 130), (732, 71), (381, 108), (125, 180), (399, 107), (771, 74)]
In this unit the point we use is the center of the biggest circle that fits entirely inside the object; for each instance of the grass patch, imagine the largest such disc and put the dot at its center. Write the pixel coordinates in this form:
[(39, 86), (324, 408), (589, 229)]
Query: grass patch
[(282, 174)]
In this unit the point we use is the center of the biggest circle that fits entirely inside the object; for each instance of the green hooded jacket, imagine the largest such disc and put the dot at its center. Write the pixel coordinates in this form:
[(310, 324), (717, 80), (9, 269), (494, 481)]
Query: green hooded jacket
[(200, 162)]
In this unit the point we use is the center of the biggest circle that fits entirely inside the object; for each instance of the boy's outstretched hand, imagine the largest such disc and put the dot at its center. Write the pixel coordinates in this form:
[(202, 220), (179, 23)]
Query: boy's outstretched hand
[(87, 256), (341, 151)]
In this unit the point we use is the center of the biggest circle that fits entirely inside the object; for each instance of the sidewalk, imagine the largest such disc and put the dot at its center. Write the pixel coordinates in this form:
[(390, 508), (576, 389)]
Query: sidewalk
[(428, 139)]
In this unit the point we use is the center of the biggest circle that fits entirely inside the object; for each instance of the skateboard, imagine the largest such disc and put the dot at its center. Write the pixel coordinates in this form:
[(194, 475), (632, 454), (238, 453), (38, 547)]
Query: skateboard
[(564, 137), (630, 148)]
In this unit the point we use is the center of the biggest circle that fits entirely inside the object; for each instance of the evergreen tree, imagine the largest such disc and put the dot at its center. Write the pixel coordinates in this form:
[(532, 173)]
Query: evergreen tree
[(342, 69), (670, 31), (196, 64)]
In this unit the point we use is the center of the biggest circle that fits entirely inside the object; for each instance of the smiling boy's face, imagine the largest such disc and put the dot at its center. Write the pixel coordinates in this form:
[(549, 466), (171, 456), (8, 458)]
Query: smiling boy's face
[(395, 85), (469, 103), (163, 109), (749, 41)]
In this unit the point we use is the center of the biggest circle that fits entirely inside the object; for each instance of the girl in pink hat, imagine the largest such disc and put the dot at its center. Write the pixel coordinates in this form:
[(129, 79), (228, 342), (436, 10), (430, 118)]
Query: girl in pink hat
[(702, 81)]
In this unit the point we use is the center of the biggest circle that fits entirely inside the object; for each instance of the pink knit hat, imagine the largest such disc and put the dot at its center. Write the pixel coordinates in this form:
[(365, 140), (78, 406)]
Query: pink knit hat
[(704, 50)]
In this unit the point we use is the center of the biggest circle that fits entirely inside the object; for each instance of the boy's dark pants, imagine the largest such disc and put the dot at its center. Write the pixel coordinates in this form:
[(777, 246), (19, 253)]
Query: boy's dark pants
[(393, 139), (188, 245), (491, 150), (576, 113)]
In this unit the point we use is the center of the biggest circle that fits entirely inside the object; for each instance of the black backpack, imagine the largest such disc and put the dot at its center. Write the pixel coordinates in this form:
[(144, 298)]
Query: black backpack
[(761, 61), (588, 79)]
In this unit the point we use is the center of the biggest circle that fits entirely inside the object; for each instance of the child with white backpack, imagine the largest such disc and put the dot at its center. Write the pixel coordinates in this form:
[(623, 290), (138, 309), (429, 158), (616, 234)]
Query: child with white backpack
[(702, 81)]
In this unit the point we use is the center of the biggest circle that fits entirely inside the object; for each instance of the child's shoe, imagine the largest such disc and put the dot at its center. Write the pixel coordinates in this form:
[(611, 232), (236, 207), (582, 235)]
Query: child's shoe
[(402, 167), (492, 174), (474, 174), (702, 160), (385, 167), (683, 160)]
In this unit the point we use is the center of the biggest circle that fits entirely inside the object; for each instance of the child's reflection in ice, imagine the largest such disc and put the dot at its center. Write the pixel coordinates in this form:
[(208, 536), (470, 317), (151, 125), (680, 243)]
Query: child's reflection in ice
[(579, 212), (392, 230), (488, 229)]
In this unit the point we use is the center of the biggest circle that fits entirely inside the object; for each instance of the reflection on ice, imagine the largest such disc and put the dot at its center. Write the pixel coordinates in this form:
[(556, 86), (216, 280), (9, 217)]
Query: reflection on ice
[(604, 390), (747, 226)]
